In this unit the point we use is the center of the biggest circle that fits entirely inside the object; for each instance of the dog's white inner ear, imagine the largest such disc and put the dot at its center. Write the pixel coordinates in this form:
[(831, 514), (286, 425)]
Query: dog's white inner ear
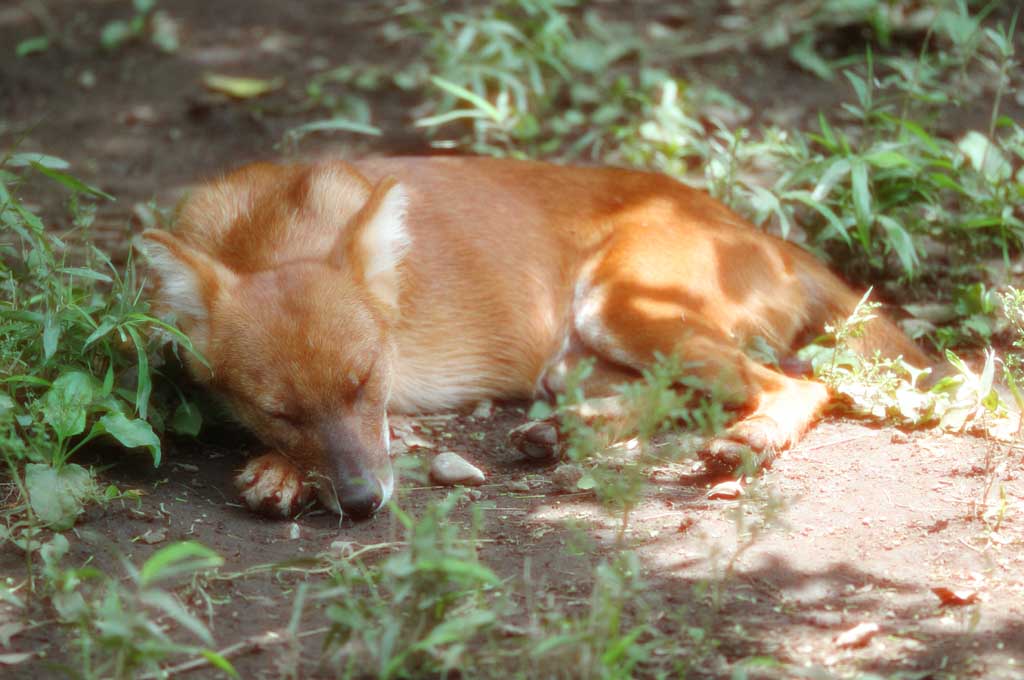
[(188, 280), (376, 241)]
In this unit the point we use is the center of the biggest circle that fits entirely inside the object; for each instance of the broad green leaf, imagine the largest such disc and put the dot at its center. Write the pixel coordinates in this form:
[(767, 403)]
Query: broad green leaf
[(57, 496), (144, 384), (901, 242), (105, 327), (861, 87), (51, 336), (887, 158), (66, 402), (456, 629), (807, 57), (131, 433), (836, 229), (54, 550), (837, 170), (187, 419), (620, 648), (984, 156), (180, 558), (861, 197)]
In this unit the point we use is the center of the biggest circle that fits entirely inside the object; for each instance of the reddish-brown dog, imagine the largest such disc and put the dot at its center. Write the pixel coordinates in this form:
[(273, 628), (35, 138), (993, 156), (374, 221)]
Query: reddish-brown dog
[(325, 295)]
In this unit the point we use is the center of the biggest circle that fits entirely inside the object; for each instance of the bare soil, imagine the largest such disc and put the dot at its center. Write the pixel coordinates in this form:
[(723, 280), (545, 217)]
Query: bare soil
[(870, 519)]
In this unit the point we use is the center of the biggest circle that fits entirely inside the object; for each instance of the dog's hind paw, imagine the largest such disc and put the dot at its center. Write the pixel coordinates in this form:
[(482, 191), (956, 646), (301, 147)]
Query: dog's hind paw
[(745, 448), (272, 485)]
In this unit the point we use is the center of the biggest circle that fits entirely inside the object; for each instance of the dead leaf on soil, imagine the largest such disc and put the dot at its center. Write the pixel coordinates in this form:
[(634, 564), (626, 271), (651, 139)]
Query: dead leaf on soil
[(413, 440), (726, 490), (241, 88), (14, 658), (9, 630), (858, 636), (153, 536), (956, 597)]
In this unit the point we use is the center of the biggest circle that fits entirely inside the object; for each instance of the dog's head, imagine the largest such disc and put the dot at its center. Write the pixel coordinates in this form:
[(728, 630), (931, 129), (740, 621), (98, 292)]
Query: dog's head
[(287, 280)]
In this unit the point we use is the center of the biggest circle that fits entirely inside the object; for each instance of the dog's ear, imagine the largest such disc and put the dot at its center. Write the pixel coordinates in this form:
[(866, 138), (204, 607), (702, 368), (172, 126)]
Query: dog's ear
[(375, 241), (188, 280)]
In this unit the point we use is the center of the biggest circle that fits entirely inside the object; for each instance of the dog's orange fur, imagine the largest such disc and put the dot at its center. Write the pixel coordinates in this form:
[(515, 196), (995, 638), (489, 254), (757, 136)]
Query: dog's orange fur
[(325, 294)]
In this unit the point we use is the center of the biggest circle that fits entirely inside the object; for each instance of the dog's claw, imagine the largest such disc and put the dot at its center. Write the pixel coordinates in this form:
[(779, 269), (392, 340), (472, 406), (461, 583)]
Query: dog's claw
[(272, 485)]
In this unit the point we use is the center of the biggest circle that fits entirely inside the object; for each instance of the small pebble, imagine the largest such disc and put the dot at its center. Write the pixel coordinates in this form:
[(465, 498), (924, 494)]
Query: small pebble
[(566, 476), (450, 469)]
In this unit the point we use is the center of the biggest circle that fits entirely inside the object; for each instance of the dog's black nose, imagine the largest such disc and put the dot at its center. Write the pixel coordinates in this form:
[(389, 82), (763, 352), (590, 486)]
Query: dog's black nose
[(360, 498)]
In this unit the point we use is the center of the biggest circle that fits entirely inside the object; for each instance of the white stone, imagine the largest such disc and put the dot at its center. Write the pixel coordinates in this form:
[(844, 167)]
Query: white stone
[(451, 469)]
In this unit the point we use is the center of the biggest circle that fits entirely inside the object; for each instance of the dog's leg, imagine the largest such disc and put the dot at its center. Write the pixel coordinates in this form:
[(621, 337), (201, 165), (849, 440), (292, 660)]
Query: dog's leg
[(631, 330), (653, 291)]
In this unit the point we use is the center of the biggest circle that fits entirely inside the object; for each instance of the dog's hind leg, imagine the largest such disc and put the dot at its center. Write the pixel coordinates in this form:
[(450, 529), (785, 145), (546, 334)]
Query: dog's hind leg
[(651, 293)]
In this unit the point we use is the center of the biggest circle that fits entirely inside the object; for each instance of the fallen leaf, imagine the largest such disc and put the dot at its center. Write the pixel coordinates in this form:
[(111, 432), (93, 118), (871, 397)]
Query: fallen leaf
[(153, 536), (9, 630), (957, 598), (413, 440), (726, 490), (858, 636), (241, 88)]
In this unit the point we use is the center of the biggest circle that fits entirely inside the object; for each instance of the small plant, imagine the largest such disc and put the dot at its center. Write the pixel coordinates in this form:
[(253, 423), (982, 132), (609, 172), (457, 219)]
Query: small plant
[(74, 353), (610, 638), (122, 629), (893, 390), (415, 611), (614, 450), (146, 20)]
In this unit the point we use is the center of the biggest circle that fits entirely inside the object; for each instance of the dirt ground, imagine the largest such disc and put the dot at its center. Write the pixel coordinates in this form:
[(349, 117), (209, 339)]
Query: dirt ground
[(871, 519)]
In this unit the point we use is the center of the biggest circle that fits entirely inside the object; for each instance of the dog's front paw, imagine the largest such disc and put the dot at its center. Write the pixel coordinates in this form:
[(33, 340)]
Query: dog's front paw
[(272, 485), (536, 439)]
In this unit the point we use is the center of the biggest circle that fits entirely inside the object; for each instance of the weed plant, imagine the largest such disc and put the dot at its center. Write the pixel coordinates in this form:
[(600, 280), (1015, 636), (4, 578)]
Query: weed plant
[(74, 350)]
